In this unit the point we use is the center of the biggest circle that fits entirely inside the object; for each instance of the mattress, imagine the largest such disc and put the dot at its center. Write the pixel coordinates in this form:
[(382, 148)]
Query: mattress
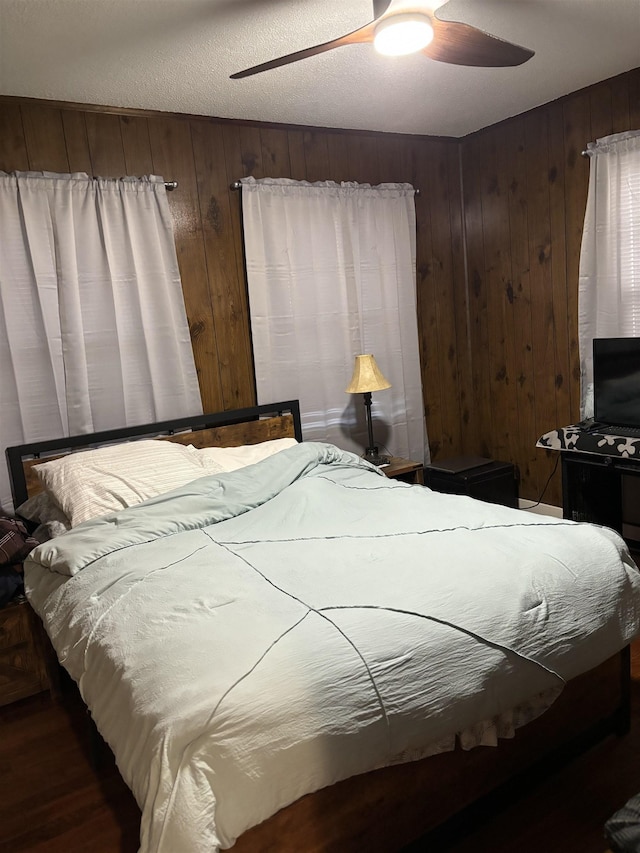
[(255, 636)]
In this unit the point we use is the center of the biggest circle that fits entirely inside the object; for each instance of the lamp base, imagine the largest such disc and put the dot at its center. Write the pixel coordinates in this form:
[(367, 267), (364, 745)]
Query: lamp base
[(371, 455)]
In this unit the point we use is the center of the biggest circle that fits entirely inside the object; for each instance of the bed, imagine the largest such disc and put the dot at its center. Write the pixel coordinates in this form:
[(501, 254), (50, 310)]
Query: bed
[(294, 652)]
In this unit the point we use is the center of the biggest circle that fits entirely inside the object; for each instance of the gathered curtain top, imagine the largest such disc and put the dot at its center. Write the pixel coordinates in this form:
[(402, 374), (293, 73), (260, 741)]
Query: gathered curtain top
[(288, 186), (616, 143), (75, 179)]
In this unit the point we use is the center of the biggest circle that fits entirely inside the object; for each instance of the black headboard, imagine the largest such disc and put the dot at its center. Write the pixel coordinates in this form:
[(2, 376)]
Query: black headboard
[(17, 455)]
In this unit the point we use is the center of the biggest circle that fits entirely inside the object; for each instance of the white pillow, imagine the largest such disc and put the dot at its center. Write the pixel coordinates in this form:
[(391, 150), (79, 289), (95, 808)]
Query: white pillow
[(94, 482), (220, 460)]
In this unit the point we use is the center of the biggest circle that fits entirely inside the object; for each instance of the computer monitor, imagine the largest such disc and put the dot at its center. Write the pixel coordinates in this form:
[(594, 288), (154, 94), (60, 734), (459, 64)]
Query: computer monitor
[(616, 381)]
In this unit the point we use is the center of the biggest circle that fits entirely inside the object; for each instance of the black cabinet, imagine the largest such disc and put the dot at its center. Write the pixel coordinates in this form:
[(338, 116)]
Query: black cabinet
[(604, 490), (485, 479)]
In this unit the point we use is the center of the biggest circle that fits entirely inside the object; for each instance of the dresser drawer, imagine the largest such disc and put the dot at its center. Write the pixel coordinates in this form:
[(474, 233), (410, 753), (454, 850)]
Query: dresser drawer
[(22, 667), (19, 674), (14, 625)]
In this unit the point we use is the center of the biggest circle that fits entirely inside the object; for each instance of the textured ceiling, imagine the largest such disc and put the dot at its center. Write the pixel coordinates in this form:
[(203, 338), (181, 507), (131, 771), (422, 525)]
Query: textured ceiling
[(177, 55)]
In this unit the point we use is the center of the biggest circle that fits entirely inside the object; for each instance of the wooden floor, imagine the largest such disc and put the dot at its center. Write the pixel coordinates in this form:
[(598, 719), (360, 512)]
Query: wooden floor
[(52, 801)]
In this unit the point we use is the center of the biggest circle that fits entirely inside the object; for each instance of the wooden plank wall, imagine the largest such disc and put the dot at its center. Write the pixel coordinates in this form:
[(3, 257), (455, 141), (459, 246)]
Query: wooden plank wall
[(499, 224), (205, 156), (524, 190)]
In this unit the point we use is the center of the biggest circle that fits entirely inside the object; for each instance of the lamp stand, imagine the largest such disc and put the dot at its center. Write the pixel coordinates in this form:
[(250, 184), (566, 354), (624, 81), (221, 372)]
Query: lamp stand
[(371, 453)]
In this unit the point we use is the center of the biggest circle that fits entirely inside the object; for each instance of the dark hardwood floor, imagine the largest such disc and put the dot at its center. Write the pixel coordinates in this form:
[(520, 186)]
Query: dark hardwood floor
[(53, 801), (51, 798)]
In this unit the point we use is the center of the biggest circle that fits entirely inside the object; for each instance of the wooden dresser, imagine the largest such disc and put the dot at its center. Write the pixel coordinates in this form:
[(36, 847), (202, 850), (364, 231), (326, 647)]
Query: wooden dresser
[(23, 653)]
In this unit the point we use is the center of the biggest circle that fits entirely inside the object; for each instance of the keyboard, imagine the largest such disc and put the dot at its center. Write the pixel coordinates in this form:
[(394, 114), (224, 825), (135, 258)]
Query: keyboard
[(625, 432)]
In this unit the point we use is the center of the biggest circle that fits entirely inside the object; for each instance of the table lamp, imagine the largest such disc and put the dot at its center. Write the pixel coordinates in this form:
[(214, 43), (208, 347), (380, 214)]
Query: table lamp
[(366, 378)]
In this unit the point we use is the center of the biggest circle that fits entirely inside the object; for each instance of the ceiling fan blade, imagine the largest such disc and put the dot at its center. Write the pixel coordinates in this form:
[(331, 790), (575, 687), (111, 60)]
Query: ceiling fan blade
[(380, 7), (362, 35), (462, 44)]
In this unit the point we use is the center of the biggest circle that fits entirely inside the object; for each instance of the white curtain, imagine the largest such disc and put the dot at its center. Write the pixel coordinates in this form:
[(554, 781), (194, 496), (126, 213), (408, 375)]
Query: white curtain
[(93, 330), (609, 288), (331, 271)]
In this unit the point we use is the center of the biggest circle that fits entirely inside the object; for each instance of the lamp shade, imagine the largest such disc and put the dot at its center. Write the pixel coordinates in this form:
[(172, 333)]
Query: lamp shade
[(366, 376)]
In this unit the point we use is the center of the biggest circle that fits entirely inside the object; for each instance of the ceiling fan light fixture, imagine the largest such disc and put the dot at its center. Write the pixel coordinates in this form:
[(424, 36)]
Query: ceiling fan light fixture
[(399, 35)]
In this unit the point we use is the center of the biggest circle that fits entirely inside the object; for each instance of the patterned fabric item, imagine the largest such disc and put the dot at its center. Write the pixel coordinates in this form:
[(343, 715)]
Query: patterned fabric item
[(574, 438), (15, 542), (622, 830)]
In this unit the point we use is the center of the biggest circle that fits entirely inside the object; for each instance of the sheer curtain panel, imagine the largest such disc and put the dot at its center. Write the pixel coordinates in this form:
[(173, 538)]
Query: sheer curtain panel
[(609, 288), (331, 271), (93, 329)]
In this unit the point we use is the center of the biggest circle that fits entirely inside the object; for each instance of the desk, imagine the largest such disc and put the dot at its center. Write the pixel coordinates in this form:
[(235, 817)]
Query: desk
[(600, 478)]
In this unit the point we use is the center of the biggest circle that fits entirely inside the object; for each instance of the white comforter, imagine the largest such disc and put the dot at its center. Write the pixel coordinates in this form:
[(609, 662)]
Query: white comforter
[(255, 636)]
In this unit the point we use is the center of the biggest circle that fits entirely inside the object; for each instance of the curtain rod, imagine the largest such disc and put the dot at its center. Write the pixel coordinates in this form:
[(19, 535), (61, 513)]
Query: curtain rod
[(168, 185), (237, 184)]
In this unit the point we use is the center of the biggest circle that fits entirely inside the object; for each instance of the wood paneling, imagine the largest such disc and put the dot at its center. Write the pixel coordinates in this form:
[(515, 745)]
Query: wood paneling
[(172, 156), (206, 156), (13, 145), (543, 326), (338, 157), (634, 99), (77, 142), (478, 442), (275, 153), (227, 293), (44, 137), (443, 316), (105, 145), (136, 144), (519, 295), (525, 358), (499, 224), (316, 156)]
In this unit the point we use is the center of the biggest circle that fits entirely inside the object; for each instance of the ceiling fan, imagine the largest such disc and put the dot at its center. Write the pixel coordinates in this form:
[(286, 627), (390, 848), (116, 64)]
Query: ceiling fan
[(401, 27)]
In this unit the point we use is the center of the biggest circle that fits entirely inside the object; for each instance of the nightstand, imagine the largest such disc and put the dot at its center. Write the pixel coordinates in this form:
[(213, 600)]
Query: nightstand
[(23, 655), (404, 469), (484, 479)]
